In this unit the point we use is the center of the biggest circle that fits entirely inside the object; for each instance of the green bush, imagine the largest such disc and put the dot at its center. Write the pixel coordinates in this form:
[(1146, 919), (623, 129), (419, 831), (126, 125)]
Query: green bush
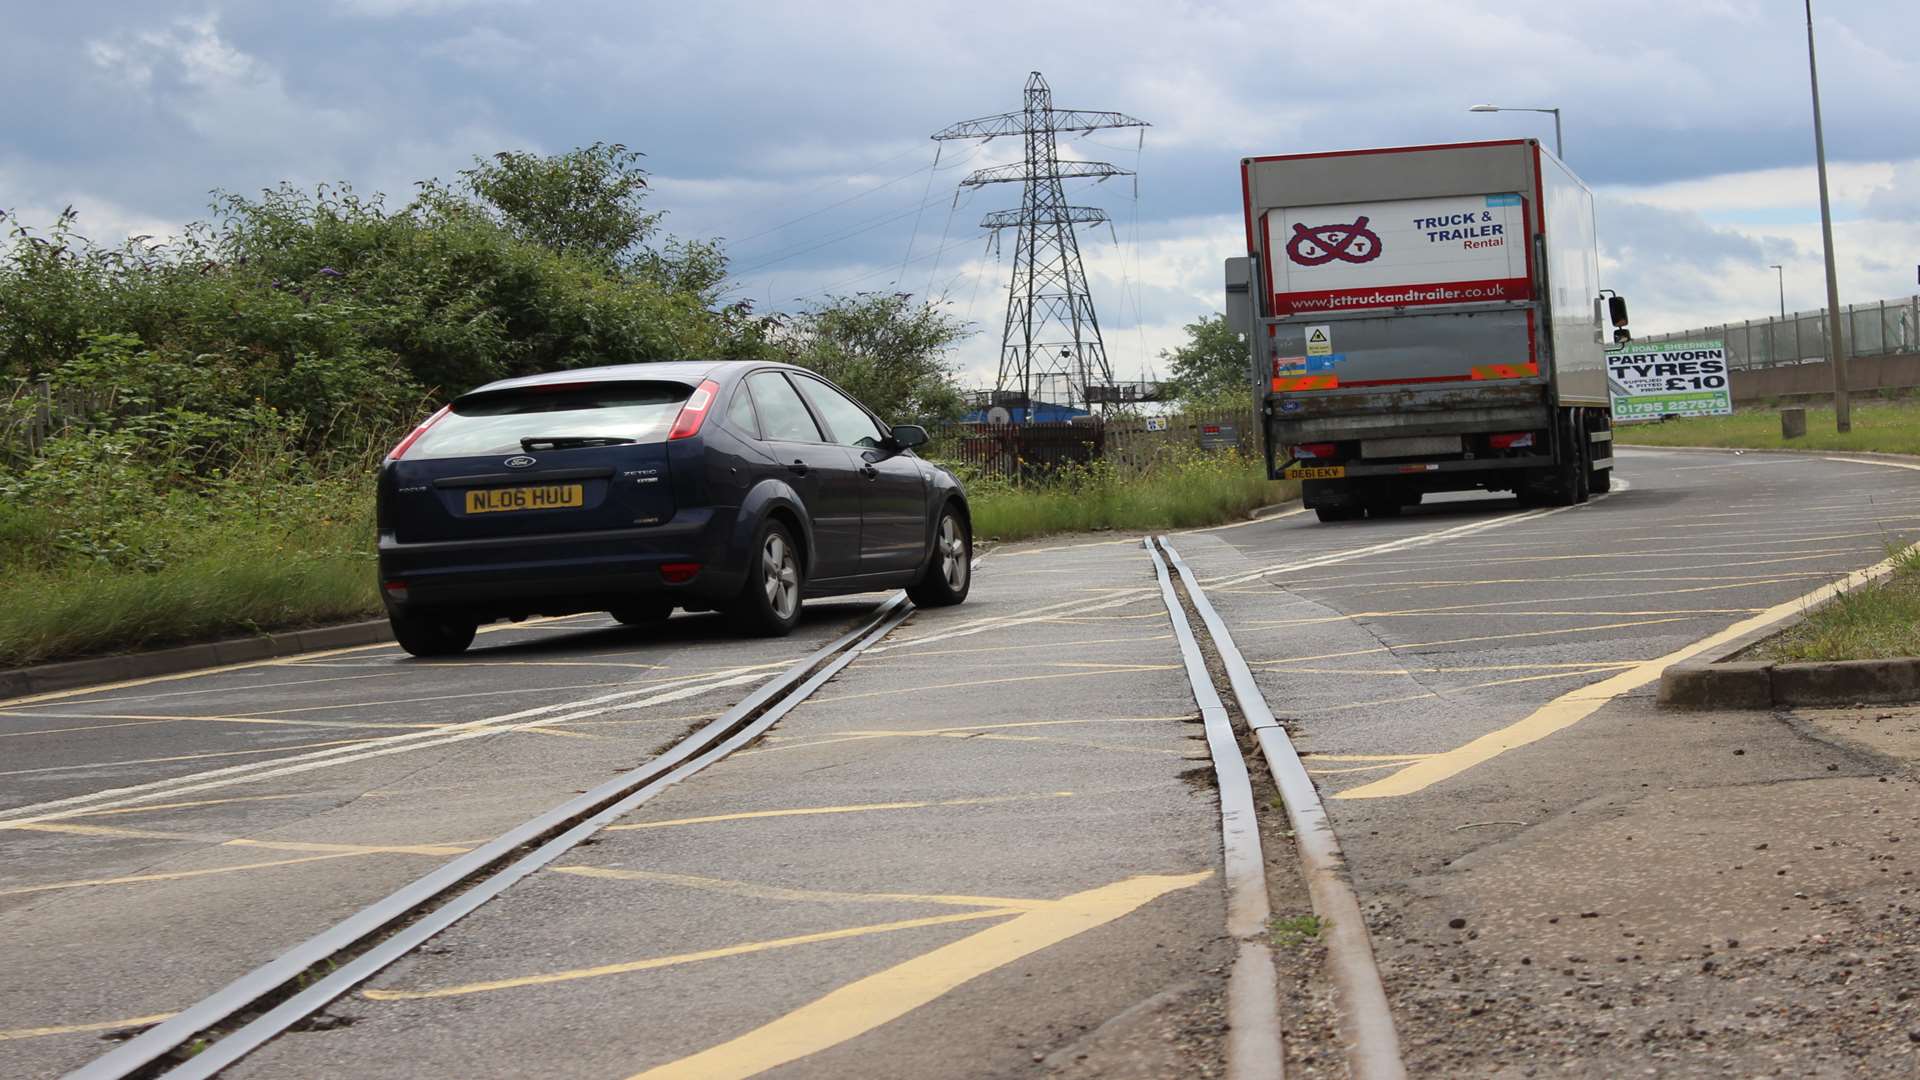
[(1190, 489)]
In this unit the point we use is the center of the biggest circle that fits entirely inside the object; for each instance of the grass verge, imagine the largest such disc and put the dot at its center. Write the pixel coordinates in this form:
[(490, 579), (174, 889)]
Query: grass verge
[(239, 577), (300, 554), (1179, 494), (1885, 427), (1880, 622)]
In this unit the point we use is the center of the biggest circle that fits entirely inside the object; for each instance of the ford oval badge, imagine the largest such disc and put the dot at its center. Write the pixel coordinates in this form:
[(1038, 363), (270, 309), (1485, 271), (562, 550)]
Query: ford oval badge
[(520, 461)]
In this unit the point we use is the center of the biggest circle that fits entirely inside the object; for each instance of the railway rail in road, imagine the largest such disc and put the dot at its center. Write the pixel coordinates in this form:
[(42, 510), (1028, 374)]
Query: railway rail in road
[(988, 840)]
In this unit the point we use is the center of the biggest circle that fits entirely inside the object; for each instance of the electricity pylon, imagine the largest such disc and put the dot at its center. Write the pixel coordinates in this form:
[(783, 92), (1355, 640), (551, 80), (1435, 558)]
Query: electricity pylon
[(1051, 343)]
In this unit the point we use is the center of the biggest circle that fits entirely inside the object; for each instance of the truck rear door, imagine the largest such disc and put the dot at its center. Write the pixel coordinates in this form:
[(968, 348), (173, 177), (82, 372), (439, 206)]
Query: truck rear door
[(1400, 291)]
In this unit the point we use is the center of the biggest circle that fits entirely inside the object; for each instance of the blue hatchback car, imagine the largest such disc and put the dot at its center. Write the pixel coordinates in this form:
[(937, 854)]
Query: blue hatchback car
[(733, 486)]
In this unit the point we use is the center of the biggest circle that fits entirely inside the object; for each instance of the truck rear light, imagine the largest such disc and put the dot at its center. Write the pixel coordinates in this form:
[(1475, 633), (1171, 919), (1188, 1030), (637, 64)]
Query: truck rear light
[(678, 573), (694, 412), (1313, 450), (394, 454), (1518, 440)]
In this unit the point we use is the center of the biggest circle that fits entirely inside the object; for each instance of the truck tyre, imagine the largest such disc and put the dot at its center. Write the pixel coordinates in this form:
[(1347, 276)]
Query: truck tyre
[(1569, 484), (1599, 481), (1332, 514)]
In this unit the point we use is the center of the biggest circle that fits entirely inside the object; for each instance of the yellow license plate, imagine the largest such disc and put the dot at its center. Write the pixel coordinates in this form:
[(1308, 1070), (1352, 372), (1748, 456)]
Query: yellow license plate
[(544, 497), (1322, 472)]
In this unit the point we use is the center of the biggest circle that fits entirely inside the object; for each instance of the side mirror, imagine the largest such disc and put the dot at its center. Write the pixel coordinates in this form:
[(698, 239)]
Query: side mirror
[(908, 436), (1617, 310), (1622, 336)]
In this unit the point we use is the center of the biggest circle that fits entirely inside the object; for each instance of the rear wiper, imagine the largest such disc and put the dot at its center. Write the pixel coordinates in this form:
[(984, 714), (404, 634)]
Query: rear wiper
[(569, 442)]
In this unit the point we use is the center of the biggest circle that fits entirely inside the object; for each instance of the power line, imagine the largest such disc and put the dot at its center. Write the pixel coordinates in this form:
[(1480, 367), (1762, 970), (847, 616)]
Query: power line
[(869, 226)]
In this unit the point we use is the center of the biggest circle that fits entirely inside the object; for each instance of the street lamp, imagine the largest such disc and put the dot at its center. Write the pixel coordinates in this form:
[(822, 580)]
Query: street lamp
[(1557, 151), (1781, 273), (1842, 407)]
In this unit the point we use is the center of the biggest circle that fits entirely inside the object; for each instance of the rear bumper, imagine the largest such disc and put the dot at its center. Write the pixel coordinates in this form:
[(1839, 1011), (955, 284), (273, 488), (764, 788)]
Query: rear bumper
[(565, 573)]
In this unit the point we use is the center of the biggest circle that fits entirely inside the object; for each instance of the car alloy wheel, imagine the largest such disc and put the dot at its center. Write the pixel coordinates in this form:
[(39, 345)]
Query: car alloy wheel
[(953, 553), (780, 574)]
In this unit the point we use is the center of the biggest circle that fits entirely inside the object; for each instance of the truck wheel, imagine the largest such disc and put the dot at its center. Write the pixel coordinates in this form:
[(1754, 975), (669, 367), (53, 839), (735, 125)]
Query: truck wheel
[(1599, 481), (1332, 514), (1569, 486)]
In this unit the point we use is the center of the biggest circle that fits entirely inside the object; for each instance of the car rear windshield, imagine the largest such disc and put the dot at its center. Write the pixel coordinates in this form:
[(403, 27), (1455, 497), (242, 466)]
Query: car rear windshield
[(495, 423)]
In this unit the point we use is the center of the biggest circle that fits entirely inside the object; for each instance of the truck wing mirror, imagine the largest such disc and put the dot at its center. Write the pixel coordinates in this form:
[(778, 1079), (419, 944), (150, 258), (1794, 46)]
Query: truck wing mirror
[(1622, 336), (1617, 310)]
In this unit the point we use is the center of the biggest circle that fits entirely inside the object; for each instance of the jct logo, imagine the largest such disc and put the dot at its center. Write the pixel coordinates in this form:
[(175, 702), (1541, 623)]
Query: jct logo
[(1322, 244)]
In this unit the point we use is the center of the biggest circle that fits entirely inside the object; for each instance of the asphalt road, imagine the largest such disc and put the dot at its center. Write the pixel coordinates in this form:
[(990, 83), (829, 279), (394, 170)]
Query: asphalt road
[(986, 839)]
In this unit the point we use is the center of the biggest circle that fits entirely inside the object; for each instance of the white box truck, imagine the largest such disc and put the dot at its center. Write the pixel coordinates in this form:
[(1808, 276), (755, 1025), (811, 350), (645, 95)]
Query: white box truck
[(1426, 318)]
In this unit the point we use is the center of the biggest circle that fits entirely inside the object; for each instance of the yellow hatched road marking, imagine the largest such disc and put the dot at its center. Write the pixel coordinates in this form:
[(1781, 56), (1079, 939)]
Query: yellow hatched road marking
[(686, 958), (758, 891), (1127, 669), (76, 1029), (865, 1004), (1571, 708), (858, 808)]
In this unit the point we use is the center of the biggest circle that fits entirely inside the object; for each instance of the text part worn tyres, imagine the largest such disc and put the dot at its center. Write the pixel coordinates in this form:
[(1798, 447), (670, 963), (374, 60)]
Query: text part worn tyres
[(949, 572), (432, 635), (769, 601)]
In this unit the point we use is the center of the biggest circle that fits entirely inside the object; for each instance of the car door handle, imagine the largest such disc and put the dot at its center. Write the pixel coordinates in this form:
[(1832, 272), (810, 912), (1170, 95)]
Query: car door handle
[(869, 472), (798, 468)]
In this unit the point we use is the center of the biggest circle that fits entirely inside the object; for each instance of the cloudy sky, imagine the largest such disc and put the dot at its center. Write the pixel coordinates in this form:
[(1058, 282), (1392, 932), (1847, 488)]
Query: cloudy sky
[(798, 132)]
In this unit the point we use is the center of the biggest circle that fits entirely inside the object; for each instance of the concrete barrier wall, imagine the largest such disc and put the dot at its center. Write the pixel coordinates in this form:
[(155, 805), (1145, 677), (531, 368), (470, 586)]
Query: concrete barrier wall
[(1864, 373)]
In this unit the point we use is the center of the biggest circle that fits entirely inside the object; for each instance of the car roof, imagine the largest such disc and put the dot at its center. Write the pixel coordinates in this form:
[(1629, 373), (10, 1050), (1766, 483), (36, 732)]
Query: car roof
[(689, 372)]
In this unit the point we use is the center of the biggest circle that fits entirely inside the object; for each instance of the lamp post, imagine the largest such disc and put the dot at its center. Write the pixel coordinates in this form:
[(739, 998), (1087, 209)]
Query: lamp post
[(1780, 272), (1842, 408), (1557, 151)]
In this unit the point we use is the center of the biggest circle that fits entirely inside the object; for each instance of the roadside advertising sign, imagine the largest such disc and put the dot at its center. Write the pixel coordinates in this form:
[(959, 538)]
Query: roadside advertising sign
[(1403, 253), (1669, 378)]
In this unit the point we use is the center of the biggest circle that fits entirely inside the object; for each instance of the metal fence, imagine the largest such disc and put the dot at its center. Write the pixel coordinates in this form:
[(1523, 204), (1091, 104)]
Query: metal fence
[(32, 412), (1131, 443), (1884, 328)]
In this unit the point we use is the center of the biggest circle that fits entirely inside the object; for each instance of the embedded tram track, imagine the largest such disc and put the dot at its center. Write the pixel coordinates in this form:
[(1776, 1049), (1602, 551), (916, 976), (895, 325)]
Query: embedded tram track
[(1363, 1018), (278, 996)]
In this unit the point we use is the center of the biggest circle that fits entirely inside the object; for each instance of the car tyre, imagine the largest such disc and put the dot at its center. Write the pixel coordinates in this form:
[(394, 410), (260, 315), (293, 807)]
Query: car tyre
[(949, 573), (769, 600), (432, 635), (642, 613)]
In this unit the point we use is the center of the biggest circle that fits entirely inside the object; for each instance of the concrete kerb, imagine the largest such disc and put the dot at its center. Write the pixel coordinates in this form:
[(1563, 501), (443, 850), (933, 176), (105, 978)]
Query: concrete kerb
[(1713, 680), (23, 682)]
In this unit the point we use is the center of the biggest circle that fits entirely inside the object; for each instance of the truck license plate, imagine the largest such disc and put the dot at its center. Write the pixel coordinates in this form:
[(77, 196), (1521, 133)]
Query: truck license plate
[(1317, 472)]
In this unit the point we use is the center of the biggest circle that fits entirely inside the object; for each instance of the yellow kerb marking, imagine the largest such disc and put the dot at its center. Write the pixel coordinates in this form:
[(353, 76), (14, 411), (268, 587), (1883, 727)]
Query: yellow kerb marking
[(685, 958), (1571, 708), (76, 1029), (859, 808), (865, 1004)]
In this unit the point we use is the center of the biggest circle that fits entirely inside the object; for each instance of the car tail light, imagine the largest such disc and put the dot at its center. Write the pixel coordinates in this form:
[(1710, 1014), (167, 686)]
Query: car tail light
[(694, 413), (1518, 440), (679, 573), (397, 590), (394, 454), (1312, 450)]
